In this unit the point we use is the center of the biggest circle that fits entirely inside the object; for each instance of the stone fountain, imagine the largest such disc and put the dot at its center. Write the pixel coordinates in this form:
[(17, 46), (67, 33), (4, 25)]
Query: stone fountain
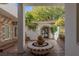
[(40, 47)]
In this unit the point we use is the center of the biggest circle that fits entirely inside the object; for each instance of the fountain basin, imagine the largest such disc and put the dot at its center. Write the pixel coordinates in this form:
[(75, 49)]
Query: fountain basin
[(40, 50)]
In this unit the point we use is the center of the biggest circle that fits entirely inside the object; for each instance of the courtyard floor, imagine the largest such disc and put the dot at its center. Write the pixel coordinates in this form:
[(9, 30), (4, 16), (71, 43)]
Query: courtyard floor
[(58, 50)]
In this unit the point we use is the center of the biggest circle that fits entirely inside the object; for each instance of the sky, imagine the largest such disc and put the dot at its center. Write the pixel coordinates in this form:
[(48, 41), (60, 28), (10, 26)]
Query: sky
[(27, 8)]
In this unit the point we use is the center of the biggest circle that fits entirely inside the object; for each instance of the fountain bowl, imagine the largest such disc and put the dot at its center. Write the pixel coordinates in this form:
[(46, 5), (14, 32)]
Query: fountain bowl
[(37, 49)]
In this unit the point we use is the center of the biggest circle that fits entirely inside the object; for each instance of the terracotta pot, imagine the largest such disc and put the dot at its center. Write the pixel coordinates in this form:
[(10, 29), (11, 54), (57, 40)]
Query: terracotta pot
[(61, 37)]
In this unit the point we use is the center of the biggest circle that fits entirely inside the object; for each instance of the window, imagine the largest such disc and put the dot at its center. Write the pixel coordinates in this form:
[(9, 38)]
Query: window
[(6, 32)]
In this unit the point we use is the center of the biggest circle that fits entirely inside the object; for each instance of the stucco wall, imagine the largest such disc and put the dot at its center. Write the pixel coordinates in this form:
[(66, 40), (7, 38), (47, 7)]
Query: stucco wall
[(11, 8), (34, 34), (71, 46)]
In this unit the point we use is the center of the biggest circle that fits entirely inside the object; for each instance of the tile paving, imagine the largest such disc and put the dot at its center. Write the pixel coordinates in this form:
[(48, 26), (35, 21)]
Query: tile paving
[(56, 51)]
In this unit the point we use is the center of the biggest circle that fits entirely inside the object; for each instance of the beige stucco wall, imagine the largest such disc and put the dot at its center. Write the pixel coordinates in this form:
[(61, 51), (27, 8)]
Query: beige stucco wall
[(11, 8), (71, 46), (34, 34)]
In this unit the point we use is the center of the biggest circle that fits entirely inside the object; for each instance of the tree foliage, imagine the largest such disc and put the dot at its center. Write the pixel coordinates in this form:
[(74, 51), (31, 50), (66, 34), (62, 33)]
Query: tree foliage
[(43, 13), (59, 22), (28, 21), (53, 28)]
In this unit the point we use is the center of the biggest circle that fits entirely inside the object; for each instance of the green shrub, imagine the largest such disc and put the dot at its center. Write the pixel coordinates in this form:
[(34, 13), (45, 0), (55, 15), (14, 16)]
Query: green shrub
[(54, 28)]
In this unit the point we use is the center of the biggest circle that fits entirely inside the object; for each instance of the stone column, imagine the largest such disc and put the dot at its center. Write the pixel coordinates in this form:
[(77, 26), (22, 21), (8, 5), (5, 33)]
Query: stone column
[(21, 32), (71, 47)]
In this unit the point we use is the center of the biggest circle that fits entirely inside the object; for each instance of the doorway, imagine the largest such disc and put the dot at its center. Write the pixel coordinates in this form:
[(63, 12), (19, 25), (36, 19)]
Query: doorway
[(45, 32)]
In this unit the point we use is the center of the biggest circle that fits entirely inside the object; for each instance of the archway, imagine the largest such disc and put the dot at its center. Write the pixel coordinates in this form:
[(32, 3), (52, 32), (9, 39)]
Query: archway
[(45, 32)]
